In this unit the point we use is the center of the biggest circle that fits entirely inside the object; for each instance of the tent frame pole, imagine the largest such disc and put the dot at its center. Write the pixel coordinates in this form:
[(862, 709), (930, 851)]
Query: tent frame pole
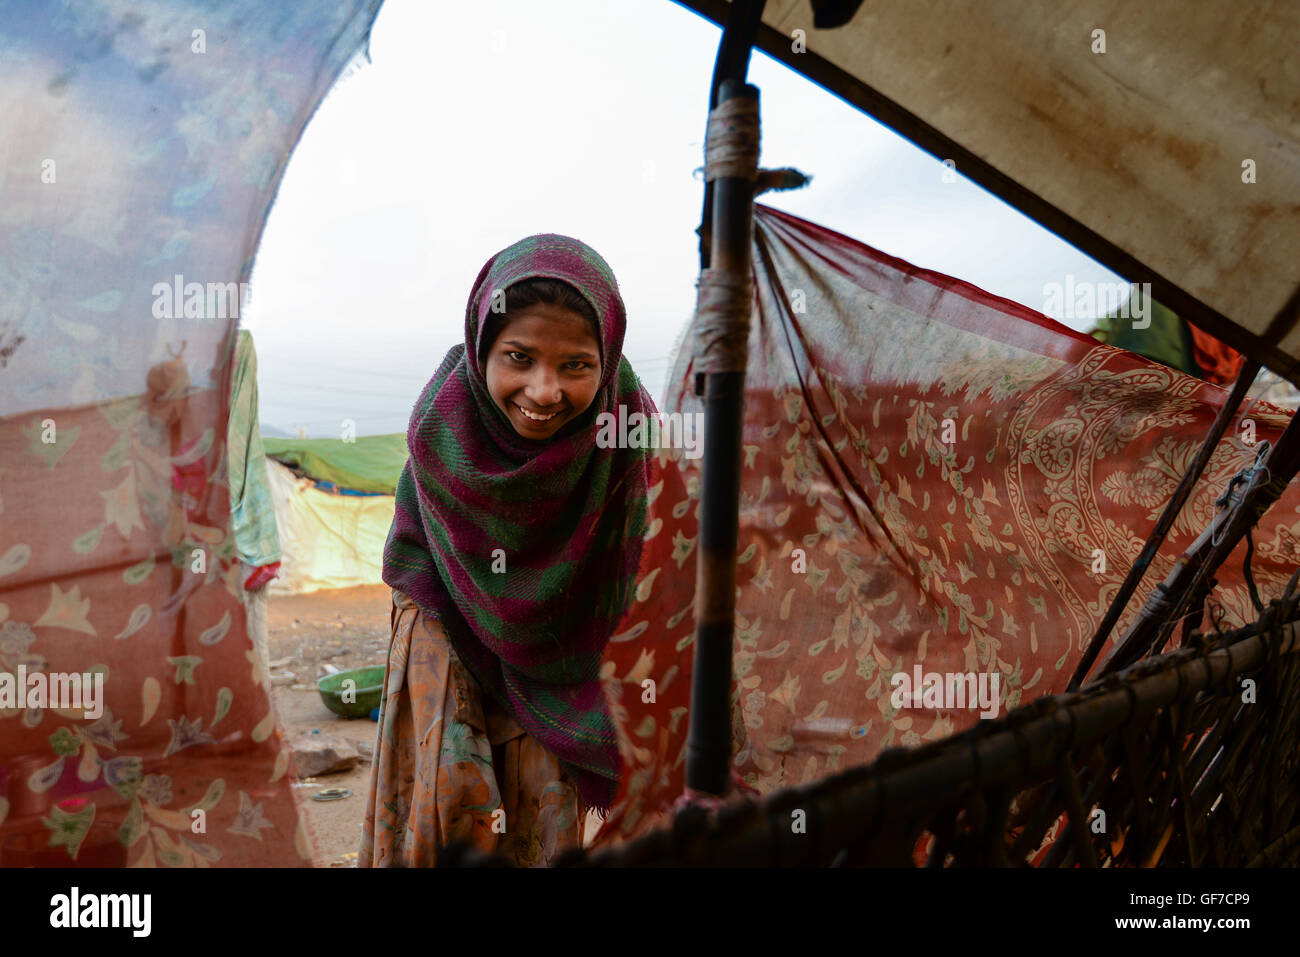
[(744, 17), (1249, 370), (725, 249), (1194, 570)]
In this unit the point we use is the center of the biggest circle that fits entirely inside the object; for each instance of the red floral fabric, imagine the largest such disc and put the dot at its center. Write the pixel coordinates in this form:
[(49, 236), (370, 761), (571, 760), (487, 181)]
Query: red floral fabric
[(933, 477)]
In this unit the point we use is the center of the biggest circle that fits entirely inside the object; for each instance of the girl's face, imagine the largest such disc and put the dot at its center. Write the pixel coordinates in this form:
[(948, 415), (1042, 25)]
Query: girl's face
[(543, 370)]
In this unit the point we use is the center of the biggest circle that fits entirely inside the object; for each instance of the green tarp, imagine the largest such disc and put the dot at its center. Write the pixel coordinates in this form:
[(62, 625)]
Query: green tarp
[(252, 513), (370, 463), (1161, 335)]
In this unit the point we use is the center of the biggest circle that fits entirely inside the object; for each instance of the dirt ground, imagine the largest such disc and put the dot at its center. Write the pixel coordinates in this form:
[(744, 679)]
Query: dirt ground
[(344, 628)]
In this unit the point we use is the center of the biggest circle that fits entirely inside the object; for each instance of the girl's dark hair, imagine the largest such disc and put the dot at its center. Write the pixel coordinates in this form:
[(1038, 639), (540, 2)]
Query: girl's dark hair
[(532, 292)]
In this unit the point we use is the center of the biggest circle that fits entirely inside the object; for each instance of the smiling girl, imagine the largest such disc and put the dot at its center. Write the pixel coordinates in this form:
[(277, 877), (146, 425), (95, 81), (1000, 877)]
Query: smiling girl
[(512, 555)]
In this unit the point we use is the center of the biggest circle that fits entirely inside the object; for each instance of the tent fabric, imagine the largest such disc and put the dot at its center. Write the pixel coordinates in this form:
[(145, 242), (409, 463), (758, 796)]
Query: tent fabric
[(1178, 145), (328, 540), (370, 463), (144, 144), (1272, 388), (1217, 361), (934, 480), (251, 514), (1159, 334)]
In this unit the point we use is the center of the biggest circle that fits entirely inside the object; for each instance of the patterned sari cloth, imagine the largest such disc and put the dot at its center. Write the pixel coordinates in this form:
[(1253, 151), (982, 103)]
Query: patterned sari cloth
[(453, 767), (142, 146), (935, 480)]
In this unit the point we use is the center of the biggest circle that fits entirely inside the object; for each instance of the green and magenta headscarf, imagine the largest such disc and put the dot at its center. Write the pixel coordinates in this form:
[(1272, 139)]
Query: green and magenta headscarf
[(565, 516)]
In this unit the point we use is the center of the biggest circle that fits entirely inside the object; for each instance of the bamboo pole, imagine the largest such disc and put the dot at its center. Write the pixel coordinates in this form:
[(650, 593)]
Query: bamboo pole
[(722, 333), (744, 19)]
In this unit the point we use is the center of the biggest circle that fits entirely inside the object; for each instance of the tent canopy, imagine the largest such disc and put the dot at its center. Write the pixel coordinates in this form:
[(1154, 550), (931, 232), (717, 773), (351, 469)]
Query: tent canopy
[(327, 540), (371, 463), (1139, 155)]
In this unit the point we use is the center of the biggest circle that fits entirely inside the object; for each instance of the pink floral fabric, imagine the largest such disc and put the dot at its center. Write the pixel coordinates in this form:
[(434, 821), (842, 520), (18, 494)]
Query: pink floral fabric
[(933, 479)]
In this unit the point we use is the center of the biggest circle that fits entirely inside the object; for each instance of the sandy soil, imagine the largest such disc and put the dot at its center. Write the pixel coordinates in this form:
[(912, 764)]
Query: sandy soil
[(345, 628)]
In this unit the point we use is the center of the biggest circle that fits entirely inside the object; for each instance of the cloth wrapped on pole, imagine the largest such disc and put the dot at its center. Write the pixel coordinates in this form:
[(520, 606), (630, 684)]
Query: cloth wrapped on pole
[(721, 338)]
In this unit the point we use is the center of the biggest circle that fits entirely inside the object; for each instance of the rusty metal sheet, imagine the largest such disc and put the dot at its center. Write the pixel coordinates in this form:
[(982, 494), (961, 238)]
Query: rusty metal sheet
[(1136, 143)]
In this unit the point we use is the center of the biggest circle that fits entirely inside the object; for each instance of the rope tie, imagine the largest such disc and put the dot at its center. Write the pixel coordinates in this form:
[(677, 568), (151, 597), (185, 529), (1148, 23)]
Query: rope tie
[(731, 144), (1157, 603), (1268, 490), (724, 301), (721, 327)]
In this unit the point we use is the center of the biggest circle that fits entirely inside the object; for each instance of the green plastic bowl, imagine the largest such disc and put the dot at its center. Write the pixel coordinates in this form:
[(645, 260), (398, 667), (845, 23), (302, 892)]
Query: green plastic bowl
[(366, 693)]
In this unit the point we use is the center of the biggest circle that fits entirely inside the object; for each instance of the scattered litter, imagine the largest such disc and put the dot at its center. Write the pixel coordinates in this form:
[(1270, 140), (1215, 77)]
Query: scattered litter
[(332, 794)]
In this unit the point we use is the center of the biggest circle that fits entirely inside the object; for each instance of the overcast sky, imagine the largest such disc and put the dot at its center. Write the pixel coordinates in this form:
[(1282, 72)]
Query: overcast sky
[(467, 132)]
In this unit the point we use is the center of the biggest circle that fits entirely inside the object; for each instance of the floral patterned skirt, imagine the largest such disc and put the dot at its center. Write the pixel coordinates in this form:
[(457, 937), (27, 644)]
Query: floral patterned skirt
[(451, 766)]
